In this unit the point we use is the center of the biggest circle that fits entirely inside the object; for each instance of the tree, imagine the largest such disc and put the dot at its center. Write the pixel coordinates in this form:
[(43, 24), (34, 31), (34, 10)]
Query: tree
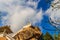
[(58, 36), (55, 37), (47, 36)]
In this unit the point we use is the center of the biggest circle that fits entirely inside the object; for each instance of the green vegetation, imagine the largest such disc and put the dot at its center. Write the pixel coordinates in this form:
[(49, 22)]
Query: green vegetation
[(48, 36)]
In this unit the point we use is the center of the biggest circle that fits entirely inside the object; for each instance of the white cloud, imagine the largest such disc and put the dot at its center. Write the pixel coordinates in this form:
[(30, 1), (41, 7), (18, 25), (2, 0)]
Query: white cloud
[(33, 3), (55, 13), (19, 14), (55, 1)]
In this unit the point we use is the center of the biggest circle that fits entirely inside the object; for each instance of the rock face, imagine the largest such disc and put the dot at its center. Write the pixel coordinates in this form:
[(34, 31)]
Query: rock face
[(28, 33), (3, 38), (7, 28)]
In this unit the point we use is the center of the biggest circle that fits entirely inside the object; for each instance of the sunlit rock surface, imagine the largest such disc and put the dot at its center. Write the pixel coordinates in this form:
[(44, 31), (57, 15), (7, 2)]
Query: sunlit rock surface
[(6, 29), (3, 38), (28, 33)]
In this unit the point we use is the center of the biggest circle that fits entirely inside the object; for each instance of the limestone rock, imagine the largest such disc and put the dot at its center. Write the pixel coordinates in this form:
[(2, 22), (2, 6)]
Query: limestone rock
[(3, 38), (7, 28), (28, 33)]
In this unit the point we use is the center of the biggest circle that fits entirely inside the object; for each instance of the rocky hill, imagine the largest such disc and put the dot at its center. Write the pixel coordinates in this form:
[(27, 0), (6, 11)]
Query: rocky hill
[(29, 32), (7, 28)]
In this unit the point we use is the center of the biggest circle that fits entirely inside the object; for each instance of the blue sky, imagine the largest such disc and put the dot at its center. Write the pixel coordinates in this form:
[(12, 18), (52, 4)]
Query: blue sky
[(45, 21), (47, 27)]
